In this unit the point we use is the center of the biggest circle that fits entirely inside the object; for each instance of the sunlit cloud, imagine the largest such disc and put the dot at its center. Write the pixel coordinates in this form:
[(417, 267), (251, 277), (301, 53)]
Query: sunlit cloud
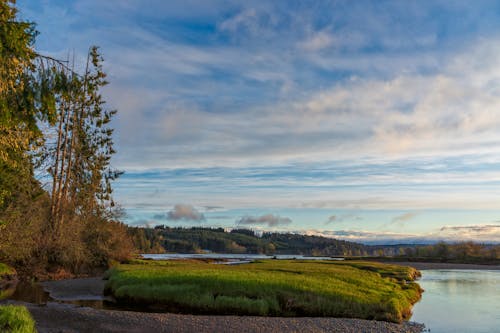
[(265, 105), (403, 218), (182, 212), (343, 218), (269, 220)]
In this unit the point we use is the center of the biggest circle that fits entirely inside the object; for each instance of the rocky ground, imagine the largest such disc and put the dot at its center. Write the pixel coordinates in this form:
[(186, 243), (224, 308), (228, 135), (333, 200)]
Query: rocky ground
[(66, 318)]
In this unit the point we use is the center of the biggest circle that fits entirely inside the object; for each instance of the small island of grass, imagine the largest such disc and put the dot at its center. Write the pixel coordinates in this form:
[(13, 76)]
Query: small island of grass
[(269, 288)]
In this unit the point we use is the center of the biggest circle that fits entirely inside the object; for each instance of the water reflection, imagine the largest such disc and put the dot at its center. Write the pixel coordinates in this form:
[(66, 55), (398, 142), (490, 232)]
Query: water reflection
[(226, 256), (459, 301), (30, 292)]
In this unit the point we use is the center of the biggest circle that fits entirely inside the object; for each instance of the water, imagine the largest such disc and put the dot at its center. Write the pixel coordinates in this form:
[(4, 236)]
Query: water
[(34, 293), (232, 257), (459, 301)]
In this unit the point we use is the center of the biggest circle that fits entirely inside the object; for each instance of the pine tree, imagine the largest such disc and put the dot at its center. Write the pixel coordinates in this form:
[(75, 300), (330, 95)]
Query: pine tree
[(81, 171)]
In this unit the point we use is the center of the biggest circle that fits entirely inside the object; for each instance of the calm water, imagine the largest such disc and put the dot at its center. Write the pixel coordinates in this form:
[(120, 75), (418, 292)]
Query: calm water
[(459, 301), (233, 257)]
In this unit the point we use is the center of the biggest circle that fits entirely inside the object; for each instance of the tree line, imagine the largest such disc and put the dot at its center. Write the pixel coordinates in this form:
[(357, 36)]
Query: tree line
[(198, 239), (56, 206), (161, 239)]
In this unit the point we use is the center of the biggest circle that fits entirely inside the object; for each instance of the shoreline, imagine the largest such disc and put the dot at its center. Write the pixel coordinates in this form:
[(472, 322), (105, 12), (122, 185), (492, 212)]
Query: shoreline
[(441, 265), (57, 316)]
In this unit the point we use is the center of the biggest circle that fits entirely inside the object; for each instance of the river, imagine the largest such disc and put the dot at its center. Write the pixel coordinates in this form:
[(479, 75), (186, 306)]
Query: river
[(459, 301), (233, 258)]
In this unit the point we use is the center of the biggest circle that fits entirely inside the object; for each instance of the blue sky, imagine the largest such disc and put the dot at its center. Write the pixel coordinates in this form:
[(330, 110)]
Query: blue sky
[(376, 121)]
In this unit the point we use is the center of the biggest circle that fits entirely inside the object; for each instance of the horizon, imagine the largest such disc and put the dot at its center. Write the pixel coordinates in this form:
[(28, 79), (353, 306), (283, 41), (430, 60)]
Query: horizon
[(366, 121)]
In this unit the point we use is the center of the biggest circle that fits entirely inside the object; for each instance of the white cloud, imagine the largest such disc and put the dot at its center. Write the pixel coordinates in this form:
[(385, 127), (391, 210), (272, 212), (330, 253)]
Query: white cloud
[(477, 233), (318, 41)]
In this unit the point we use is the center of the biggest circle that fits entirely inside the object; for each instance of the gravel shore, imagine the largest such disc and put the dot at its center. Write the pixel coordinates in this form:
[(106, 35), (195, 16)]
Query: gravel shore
[(66, 318)]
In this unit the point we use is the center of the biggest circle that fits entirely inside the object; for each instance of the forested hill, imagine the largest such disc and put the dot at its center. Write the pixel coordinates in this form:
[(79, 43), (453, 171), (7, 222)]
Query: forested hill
[(196, 240)]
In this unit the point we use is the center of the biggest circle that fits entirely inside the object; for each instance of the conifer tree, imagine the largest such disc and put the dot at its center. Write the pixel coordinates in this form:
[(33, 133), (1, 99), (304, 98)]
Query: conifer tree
[(81, 172)]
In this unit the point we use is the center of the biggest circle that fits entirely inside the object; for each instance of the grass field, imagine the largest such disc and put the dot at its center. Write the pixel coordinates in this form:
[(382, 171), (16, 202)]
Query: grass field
[(269, 288), (16, 319)]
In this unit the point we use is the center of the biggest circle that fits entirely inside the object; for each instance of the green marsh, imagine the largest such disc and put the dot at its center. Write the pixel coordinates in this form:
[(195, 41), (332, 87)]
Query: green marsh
[(16, 319), (269, 288)]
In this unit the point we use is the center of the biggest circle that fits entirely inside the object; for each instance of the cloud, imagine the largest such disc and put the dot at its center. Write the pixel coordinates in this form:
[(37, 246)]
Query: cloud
[(182, 212), (472, 231), (270, 220), (487, 233), (213, 208), (221, 217), (401, 219), (343, 218), (318, 41), (369, 237), (201, 85), (331, 219)]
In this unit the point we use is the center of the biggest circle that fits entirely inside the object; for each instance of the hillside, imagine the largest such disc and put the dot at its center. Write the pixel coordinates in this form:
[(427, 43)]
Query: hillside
[(196, 240)]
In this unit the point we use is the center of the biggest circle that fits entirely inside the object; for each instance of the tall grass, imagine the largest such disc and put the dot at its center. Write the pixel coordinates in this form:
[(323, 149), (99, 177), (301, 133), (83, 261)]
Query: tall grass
[(16, 319), (270, 288), (6, 270)]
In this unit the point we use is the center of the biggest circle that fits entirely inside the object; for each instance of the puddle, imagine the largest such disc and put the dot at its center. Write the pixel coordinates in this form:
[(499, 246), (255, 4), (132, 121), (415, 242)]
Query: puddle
[(35, 294)]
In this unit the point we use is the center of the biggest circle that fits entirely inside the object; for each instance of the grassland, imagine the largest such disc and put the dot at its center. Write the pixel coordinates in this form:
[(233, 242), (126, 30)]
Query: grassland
[(269, 288), (16, 319)]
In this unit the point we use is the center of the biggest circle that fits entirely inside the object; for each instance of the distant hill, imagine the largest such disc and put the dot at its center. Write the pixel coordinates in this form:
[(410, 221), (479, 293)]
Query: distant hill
[(197, 240)]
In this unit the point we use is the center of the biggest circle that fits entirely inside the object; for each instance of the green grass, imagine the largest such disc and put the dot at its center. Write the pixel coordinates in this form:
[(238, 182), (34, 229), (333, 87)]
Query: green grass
[(269, 288), (16, 319), (6, 270)]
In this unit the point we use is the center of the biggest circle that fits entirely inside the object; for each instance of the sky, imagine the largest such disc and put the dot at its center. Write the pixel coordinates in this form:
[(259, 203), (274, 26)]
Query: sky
[(370, 121)]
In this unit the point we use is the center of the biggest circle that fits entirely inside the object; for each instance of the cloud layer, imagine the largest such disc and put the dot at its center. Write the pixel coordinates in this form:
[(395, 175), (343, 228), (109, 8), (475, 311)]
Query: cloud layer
[(262, 104), (268, 220)]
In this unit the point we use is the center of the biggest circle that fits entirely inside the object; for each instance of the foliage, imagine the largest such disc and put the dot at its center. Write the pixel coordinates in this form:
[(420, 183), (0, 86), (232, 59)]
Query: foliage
[(269, 287), (73, 226), (6, 270), (196, 239), (465, 252), (16, 319)]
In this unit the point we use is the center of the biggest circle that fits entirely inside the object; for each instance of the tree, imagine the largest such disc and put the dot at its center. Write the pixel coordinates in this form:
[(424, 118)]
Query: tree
[(81, 157), (75, 225), (17, 112), (24, 101)]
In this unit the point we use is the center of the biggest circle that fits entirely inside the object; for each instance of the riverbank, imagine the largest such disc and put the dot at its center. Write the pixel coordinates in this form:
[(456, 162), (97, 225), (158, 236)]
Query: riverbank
[(55, 318), (438, 265)]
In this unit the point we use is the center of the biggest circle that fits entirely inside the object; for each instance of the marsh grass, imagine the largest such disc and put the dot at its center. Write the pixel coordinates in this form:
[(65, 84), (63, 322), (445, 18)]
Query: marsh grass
[(16, 319), (269, 288), (6, 270)]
